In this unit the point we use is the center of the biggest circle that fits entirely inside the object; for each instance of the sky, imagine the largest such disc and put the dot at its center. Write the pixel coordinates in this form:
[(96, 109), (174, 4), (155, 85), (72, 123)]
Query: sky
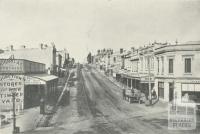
[(83, 26)]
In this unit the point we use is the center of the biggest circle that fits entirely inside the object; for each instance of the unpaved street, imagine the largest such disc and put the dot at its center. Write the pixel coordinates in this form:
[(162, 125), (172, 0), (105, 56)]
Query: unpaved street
[(96, 107)]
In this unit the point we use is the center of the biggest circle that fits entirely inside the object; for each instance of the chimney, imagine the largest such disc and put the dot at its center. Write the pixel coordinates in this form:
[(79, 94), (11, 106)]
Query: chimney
[(111, 51), (22, 46), (133, 49), (53, 44), (41, 46), (67, 55), (10, 48), (121, 50)]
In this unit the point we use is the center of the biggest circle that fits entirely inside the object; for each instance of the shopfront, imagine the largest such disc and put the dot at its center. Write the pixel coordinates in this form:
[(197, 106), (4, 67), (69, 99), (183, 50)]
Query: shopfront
[(39, 86), (144, 84), (27, 81), (190, 92)]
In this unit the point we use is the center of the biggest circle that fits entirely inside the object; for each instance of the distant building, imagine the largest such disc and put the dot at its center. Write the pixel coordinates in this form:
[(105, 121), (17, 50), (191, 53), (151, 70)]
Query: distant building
[(64, 56), (44, 54), (117, 63), (1, 51)]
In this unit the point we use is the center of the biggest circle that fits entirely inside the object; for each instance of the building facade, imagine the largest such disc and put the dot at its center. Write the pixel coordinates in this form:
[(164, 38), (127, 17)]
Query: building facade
[(171, 70), (29, 82), (48, 54), (177, 71)]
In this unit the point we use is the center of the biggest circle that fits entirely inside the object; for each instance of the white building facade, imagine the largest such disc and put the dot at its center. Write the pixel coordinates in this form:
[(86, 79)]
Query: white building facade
[(177, 71)]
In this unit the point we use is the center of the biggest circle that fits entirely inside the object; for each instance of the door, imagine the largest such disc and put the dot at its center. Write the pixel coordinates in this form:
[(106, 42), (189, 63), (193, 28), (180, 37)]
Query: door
[(171, 91)]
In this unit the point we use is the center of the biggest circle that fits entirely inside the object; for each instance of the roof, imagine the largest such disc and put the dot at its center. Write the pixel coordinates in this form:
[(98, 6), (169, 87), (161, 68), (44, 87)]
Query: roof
[(192, 42), (44, 77)]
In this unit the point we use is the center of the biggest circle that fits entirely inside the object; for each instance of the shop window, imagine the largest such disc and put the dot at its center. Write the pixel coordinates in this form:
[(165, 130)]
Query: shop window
[(114, 59), (146, 63), (190, 93), (162, 59), (161, 89), (171, 66), (152, 63), (189, 96), (187, 65), (158, 64), (141, 61)]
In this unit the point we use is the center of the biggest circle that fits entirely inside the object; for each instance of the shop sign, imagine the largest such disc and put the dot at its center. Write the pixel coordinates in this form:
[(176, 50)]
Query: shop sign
[(10, 84), (146, 79), (191, 87), (189, 81), (11, 65), (181, 116)]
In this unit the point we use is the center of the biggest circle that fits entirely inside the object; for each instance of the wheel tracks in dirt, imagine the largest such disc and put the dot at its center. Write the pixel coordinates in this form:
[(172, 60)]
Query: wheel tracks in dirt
[(100, 122)]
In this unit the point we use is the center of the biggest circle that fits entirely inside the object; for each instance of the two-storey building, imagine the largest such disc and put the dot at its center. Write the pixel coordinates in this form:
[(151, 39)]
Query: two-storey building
[(177, 71)]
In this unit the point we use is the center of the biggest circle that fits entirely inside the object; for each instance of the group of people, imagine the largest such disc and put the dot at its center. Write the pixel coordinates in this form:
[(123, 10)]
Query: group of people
[(153, 94)]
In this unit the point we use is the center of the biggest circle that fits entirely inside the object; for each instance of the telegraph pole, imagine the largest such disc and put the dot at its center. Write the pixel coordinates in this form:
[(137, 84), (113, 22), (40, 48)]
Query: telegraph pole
[(14, 115)]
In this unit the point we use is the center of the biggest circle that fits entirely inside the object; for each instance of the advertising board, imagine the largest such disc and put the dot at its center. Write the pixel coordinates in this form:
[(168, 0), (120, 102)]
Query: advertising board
[(10, 84), (11, 65)]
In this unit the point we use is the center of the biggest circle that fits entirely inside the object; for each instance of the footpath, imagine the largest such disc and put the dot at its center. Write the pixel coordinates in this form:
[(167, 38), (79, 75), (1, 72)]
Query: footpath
[(159, 107)]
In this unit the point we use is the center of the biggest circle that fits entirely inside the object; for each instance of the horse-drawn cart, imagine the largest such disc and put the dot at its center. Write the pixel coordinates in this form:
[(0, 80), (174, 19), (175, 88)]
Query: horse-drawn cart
[(132, 95)]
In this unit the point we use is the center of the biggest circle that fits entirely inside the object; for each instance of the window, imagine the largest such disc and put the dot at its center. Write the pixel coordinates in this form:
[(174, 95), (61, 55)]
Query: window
[(158, 65), (152, 62), (141, 63), (114, 59), (171, 66), (137, 66), (187, 65), (162, 58), (161, 89), (146, 63)]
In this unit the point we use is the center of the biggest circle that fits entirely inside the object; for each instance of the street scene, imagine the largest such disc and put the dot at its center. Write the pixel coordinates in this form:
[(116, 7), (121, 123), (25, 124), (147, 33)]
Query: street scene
[(99, 67)]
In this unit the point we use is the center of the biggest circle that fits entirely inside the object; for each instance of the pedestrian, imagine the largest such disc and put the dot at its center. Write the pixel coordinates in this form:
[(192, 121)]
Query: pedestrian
[(154, 96), (124, 93)]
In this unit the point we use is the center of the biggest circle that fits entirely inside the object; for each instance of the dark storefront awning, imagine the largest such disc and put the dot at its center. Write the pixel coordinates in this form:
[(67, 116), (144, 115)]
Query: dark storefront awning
[(35, 79)]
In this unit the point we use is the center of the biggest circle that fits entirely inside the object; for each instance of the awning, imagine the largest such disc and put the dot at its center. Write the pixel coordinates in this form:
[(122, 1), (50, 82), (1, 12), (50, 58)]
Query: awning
[(36, 79)]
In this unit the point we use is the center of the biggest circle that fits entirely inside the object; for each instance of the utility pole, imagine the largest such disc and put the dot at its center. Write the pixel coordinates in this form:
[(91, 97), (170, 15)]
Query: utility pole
[(14, 116), (149, 73), (15, 128)]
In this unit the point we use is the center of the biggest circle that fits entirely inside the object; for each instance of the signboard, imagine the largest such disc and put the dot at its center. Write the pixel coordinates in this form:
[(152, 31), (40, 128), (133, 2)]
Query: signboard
[(181, 116), (191, 87), (11, 84), (146, 79), (11, 65)]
